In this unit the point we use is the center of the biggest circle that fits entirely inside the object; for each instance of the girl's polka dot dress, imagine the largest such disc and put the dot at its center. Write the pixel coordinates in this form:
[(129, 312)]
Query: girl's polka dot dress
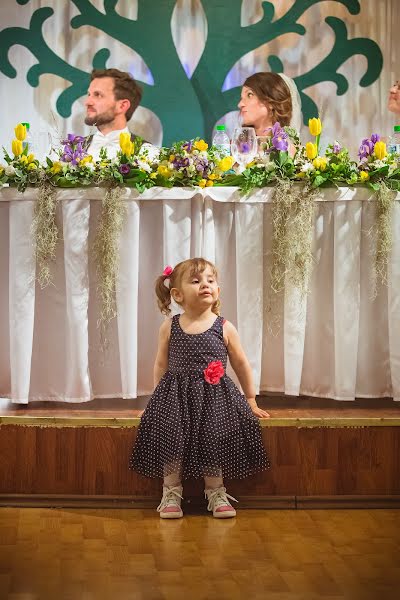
[(194, 427)]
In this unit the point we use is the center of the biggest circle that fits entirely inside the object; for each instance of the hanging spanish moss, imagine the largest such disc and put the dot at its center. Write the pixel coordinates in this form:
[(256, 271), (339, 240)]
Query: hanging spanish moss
[(106, 252), (45, 231), (293, 213)]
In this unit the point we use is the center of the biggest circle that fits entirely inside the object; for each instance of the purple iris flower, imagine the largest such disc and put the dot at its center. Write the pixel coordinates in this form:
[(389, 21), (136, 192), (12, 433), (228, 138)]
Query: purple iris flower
[(201, 165), (124, 169), (73, 139), (188, 146), (279, 138), (336, 148), (367, 146), (73, 150), (180, 163), (280, 141)]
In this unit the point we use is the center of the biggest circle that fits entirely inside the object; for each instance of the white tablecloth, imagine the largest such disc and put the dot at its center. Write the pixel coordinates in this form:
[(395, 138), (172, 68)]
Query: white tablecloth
[(339, 343)]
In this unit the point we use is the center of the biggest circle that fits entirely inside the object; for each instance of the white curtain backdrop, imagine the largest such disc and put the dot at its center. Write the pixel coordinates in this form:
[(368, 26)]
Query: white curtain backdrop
[(339, 343), (348, 118)]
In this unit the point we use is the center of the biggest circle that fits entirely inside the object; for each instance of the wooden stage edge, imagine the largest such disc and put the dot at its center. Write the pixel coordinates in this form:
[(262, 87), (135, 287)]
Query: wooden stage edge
[(285, 411), (323, 454)]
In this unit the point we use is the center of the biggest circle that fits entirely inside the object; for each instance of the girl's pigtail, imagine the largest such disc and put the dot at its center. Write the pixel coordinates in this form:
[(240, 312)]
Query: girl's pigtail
[(163, 294)]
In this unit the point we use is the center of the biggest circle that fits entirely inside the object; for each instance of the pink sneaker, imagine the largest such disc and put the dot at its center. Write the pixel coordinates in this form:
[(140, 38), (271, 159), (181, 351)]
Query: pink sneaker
[(170, 505), (219, 504)]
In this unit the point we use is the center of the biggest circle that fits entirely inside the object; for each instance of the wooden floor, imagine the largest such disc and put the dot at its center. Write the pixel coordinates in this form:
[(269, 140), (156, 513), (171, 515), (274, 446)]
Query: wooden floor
[(131, 554)]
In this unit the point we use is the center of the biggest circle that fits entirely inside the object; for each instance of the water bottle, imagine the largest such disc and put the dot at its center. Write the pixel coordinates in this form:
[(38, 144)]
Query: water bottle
[(394, 141), (28, 141), (221, 141)]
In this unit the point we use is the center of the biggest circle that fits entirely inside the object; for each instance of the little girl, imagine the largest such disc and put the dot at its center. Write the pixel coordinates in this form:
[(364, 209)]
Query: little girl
[(197, 423)]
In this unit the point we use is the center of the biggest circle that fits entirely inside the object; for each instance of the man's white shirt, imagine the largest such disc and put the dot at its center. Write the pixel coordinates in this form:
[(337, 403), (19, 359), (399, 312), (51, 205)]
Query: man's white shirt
[(110, 141)]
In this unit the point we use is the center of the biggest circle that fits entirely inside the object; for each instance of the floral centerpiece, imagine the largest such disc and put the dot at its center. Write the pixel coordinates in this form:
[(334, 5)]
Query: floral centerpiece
[(334, 167), (74, 166), (191, 163), (380, 170), (22, 168), (274, 162), (376, 164)]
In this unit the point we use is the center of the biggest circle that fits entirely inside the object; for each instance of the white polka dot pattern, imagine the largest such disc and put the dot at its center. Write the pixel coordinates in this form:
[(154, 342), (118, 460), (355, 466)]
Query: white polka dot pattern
[(191, 426)]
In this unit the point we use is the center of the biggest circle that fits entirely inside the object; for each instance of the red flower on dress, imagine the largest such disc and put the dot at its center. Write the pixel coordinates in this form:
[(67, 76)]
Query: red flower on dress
[(214, 372), (167, 271)]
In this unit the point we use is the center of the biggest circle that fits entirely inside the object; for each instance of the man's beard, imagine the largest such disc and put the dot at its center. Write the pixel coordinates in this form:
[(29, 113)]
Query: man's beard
[(101, 119)]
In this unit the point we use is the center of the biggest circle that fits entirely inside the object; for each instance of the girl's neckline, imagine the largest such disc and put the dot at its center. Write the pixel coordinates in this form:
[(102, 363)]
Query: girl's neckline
[(194, 334)]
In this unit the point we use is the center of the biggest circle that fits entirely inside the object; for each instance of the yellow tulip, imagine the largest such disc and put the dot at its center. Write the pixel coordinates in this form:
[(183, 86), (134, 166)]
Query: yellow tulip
[(31, 158), (311, 150), (153, 175), (171, 157), (124, 138), (364, 176), (226, 163), (380, 150), (1, 170), (126, 148), (315, 126), (16, 147), (320, 163), (300, 175), (32, 167), (202, 183), (209, 183), (23, 160), (20, 132), (126, 145), (201, 145)]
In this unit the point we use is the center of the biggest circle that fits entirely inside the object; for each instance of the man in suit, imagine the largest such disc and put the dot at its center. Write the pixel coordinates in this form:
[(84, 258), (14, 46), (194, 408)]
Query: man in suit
[(112, 98)]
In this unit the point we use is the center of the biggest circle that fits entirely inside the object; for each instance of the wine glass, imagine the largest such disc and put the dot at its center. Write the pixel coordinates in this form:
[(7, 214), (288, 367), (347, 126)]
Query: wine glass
[(244, 146)]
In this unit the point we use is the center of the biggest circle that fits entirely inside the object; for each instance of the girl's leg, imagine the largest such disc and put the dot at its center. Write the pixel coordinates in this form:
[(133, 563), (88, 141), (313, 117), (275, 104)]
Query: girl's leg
[(170, 505), (217, 497)]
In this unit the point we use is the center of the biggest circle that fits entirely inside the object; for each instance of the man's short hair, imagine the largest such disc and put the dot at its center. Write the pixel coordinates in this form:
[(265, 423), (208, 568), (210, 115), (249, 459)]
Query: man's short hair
[(125, 87)]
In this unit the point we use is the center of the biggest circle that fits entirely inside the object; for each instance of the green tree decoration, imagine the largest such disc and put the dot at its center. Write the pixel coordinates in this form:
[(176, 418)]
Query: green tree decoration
[(188, 107)]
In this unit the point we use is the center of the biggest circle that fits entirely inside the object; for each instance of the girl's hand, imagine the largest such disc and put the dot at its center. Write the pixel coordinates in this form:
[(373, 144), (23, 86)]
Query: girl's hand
[(258, 412)]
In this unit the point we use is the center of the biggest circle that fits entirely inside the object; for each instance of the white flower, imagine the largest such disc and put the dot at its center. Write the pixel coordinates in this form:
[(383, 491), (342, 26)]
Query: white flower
[(270, 166), (378, 164), (9, 171), (307, 167), (144, 165)]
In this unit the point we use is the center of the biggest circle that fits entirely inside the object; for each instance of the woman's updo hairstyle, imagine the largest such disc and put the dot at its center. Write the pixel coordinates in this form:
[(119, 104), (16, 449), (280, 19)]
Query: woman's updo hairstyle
[(272, 90)]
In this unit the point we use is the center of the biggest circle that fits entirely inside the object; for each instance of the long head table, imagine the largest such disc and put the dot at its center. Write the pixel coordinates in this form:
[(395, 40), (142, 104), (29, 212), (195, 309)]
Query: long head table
[(338, 342)]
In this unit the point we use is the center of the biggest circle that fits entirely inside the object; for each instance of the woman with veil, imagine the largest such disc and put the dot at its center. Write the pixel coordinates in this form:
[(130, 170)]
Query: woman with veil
[(268, 98)]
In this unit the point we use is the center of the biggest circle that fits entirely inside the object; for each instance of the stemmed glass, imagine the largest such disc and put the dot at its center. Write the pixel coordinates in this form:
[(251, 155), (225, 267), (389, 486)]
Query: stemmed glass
[(244, 146)]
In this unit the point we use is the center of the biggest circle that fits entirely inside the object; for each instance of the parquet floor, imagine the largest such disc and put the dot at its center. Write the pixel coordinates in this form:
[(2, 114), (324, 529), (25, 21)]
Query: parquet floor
[(80, 554)]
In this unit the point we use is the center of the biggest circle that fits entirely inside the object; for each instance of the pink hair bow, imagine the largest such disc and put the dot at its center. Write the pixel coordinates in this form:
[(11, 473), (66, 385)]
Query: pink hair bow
[(167, 271)]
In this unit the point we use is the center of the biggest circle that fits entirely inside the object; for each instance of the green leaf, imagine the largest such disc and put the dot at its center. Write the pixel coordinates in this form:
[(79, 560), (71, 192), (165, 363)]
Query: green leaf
[(318, 181)]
